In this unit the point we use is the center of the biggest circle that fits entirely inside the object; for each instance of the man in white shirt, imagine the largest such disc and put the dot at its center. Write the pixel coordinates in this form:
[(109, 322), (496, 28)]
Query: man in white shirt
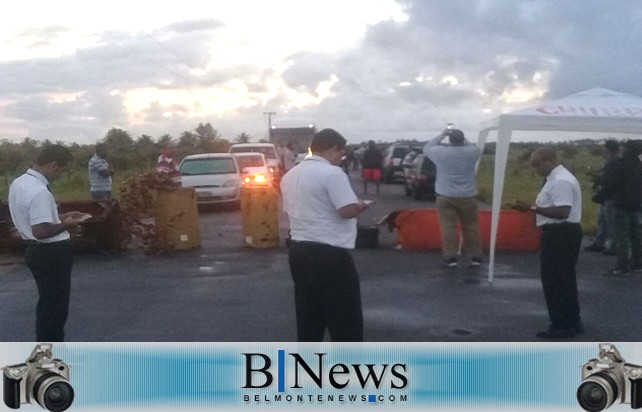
[(48, 255), (322, 208), (558, 210)]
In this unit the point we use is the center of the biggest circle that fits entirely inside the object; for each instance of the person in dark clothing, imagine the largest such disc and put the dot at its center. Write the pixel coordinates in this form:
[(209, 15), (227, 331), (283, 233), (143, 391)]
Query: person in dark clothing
[(371, 162), (624, 185), (603, 241)]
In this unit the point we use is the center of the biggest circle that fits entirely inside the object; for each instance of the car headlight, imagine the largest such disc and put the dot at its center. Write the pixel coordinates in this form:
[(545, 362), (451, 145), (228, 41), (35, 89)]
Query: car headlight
[(231, 183)]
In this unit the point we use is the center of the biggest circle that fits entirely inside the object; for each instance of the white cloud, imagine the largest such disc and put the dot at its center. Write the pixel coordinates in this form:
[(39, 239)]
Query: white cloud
[(372, 69)]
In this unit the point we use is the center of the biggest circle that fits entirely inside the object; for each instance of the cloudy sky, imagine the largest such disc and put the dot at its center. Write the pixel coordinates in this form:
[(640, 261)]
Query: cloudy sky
[(372, 69)]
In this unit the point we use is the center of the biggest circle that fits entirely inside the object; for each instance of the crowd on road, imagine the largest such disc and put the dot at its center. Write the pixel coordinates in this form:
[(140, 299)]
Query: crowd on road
[(322, 208)]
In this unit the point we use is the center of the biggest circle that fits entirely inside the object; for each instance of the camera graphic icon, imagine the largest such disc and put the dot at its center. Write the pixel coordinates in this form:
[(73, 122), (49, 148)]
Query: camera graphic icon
[(41, 379), (608, 380)]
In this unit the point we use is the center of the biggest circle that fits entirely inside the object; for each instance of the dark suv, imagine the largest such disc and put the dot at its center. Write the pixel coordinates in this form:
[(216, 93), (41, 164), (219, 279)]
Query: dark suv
[(420, 178), (392, 157)]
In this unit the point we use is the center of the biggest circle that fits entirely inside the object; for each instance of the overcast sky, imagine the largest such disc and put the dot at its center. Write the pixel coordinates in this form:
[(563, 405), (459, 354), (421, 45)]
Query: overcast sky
[(372, 69)]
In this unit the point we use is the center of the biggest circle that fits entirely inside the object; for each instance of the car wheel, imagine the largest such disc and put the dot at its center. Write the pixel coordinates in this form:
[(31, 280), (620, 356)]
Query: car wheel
[(408, 191), (416, 194)]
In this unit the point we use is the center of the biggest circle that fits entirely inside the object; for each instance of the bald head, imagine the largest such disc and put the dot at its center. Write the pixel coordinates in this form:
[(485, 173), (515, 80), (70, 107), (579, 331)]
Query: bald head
[(543, 160)]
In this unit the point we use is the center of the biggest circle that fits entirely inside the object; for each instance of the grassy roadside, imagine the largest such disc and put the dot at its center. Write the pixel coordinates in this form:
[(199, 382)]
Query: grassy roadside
[(521, 182), (73, 185)]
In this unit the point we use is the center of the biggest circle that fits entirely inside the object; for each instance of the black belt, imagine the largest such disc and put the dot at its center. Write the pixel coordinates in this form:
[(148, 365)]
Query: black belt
[(307, 243), (560, 225), (35, 243)]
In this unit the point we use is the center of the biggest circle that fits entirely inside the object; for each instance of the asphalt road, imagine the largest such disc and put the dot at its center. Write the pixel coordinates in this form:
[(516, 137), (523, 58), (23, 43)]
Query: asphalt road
[(226, 292)]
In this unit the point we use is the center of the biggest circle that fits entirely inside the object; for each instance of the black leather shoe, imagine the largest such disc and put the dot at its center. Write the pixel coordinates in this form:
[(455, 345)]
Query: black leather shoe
[(555, 333)]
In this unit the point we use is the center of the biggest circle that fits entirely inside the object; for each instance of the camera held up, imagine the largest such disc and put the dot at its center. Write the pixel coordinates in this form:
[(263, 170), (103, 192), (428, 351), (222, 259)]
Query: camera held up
[(608, 380), (41, 379)]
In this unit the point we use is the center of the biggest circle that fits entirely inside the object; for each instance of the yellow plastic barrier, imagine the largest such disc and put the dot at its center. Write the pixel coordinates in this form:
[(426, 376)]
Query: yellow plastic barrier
[(176, 216), (260, 215)]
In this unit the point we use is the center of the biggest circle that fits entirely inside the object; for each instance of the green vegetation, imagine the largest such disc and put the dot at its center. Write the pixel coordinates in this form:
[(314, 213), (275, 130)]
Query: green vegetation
[(127, 156), (522, 183), (131, 157)]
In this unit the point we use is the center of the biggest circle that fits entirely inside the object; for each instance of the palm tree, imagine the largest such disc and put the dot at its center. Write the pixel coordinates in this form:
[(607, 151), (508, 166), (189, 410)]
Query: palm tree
[(242, 138)]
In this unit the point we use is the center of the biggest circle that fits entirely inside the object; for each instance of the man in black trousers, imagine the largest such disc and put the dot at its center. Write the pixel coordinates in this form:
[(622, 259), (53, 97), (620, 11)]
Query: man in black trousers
[(322, 208), (48, 255), (558, 210)]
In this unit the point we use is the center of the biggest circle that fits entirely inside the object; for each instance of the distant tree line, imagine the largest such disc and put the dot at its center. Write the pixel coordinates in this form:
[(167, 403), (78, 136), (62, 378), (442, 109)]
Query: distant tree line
[(124, 152), (127, 153)]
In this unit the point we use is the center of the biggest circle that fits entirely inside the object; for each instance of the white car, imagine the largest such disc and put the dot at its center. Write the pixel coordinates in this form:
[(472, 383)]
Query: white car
[(215, 177), (254, 169), (268, 149)]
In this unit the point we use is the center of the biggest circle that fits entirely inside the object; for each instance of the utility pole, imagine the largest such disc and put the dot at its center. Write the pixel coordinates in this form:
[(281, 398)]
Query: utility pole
[(270, 114)]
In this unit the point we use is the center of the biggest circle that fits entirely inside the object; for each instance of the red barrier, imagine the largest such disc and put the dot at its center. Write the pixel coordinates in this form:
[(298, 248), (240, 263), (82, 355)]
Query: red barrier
[(419, 229)]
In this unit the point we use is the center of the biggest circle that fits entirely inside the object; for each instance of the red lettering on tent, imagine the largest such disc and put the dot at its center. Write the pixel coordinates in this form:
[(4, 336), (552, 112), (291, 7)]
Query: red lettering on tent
[(590, 111)]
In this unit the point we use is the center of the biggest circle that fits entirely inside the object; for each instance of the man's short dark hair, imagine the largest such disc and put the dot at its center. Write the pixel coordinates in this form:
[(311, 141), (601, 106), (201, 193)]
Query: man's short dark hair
[(612, 145), (54, 153), (326, 139), (456, 137)]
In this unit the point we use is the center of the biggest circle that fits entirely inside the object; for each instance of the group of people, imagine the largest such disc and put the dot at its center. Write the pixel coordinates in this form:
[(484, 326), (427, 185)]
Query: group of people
[(557, 208), (618, 185), (322, 209)]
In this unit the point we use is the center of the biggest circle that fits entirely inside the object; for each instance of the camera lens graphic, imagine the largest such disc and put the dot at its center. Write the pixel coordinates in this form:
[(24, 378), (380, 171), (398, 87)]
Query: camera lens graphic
[(597, 392), (53, 392)]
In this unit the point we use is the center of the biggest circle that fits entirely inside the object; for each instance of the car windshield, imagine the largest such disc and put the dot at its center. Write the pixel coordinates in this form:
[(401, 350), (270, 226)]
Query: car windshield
[(266, 150), (208, 166), (249, 161)]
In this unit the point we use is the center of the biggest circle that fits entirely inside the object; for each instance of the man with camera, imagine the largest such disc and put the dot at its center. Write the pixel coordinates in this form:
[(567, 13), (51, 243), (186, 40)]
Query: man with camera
[(48, 255), (456, 194)]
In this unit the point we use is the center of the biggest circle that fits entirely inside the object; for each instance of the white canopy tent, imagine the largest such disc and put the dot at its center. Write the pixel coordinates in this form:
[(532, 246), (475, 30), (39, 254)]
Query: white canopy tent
[(595, 110)]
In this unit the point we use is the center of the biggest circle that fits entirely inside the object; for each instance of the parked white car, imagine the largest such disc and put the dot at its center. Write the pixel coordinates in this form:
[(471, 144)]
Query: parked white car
[(268, 149), (254, 169), (215, 177)]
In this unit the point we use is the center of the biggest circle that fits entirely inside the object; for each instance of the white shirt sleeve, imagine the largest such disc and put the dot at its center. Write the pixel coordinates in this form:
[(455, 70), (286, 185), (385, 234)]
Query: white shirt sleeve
[(40, 209), (339, 189), (562, 193)]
